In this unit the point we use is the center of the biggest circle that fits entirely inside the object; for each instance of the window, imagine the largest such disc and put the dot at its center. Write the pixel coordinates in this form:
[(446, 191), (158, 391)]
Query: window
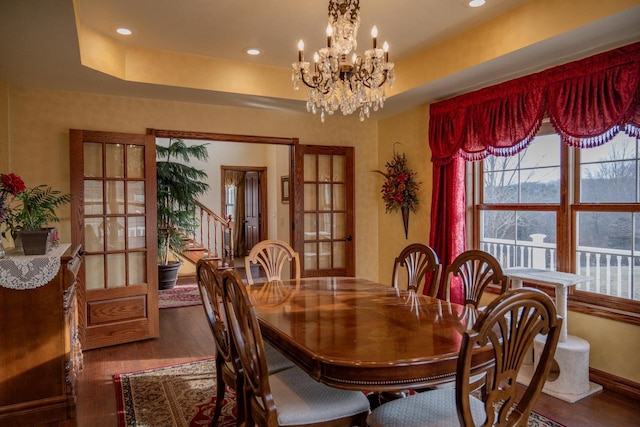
[(558, 208), (606, 217), (521, 202), (230, 199)]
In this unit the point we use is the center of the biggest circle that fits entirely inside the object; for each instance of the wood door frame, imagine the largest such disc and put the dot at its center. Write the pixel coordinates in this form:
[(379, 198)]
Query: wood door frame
[(263, 193), (293, 143)]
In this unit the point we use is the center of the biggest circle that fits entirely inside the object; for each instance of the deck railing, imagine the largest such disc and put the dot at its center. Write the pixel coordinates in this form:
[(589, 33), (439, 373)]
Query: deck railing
[(611, 270)]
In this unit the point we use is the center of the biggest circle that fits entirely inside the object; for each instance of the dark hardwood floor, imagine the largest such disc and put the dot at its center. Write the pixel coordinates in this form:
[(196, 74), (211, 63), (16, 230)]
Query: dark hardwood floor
[(185, 336)]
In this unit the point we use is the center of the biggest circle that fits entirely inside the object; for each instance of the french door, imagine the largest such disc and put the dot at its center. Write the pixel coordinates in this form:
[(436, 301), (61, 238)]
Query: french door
[(114, 219), (324, 234)]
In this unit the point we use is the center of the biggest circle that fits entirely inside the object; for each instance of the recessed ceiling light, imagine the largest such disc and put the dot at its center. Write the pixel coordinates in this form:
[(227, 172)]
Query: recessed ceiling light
[(476, 3), (253, 51), (124, 31)]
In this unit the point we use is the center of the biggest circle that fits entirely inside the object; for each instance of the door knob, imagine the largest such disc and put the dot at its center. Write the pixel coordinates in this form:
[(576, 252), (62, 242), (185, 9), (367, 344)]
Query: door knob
[(348, 238)]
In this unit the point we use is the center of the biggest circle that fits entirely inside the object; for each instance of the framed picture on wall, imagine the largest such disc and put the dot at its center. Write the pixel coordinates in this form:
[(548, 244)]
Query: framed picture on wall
[(284, 188)]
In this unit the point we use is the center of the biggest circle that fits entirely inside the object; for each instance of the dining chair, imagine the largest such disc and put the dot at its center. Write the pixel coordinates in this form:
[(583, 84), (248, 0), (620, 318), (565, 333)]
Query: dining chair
[(272, 256), (506, 329), (422, 266), (476, 270), (290, 397), (227, 362)]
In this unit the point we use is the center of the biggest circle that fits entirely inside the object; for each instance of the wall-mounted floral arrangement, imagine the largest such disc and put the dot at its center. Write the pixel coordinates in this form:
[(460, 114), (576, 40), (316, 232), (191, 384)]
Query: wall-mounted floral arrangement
[(400, 188)]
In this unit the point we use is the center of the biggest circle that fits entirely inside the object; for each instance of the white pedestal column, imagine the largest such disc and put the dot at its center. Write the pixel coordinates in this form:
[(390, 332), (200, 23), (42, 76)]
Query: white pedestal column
[(569, 377)]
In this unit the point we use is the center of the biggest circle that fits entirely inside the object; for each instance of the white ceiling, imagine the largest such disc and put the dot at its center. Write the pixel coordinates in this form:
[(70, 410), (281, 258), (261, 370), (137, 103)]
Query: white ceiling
[(39, 45)]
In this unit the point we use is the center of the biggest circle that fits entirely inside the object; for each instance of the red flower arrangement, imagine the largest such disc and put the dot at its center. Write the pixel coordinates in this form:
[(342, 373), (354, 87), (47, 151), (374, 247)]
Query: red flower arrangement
[(400, 189), (10, 184)]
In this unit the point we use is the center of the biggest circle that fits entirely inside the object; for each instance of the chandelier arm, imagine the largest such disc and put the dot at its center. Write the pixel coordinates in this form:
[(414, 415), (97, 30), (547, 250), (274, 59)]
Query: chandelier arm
[(317, 82), (366, 76), (384, 80)]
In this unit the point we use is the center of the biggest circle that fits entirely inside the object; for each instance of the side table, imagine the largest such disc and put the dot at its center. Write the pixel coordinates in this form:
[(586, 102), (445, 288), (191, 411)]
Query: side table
[(572, 354)]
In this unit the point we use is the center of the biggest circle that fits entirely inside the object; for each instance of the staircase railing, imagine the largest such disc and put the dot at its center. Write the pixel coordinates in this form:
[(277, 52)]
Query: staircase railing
[(215, 235)]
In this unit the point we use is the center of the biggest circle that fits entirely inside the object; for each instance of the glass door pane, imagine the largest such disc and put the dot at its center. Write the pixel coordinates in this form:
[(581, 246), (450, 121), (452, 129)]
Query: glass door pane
[(327, 211)]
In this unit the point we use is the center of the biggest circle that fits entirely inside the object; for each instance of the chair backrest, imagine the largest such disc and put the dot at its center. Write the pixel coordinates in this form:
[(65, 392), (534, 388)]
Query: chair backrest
[(272, 255), (210, 285), (245, 331), (477, 270), (422, 265), (507, 329)]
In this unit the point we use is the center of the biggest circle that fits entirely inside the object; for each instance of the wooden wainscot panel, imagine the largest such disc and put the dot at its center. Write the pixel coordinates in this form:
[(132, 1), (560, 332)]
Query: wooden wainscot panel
[(101, 312)]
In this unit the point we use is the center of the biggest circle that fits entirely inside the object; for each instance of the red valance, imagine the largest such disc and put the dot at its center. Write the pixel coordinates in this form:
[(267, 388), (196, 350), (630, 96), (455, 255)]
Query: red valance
[(588, 102)]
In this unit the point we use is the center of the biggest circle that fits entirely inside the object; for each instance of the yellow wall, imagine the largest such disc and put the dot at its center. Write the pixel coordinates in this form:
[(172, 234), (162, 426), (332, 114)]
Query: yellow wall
[(4, 128), (39, 149), (615, 346), (411, 130)]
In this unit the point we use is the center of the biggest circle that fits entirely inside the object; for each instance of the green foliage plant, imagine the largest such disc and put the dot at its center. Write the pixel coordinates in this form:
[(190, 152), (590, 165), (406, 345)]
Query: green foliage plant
[(35, 208), (178, 186)]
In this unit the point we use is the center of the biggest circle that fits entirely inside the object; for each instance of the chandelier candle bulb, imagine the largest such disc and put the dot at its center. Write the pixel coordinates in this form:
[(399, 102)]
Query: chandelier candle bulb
[(300, 51), (329, 34), (374, 36), (385, 48)]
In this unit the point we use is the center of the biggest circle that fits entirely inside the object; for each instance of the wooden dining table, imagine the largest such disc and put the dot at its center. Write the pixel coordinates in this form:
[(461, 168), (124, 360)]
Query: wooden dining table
[(357, 334)]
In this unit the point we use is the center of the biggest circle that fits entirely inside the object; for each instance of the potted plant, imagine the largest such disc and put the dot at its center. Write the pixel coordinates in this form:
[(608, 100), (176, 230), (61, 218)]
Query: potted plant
[(34, 210), (178, 186)]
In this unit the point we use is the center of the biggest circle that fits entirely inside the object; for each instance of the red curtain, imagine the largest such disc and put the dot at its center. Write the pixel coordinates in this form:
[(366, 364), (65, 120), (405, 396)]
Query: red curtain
[(447, 222), (588, 102)]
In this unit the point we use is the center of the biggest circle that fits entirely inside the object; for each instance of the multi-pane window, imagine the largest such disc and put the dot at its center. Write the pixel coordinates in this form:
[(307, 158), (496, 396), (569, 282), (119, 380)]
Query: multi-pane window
[(607, 230), (520, 205), (565, 209)]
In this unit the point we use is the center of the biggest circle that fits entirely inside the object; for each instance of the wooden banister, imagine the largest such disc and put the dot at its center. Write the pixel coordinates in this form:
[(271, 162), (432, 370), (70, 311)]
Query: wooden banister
[(211, 235)]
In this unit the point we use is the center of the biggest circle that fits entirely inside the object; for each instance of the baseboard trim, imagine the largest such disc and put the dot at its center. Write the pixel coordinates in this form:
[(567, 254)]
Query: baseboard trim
[(616, 384), (187, 280)]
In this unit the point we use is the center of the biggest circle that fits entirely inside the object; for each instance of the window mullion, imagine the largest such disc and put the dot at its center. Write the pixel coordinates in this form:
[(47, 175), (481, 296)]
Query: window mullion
[(565, 238)]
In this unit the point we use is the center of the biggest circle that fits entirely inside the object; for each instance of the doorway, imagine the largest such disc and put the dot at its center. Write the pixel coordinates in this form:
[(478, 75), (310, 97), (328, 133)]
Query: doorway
[(320, 229), (245, 199)]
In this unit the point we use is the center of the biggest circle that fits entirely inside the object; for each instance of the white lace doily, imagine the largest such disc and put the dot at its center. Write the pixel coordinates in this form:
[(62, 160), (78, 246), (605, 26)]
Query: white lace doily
[(22, 272)]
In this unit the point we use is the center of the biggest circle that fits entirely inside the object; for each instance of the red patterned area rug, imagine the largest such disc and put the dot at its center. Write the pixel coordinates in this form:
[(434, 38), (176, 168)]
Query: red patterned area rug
[(184, 396), (181, 395), (179, 296)]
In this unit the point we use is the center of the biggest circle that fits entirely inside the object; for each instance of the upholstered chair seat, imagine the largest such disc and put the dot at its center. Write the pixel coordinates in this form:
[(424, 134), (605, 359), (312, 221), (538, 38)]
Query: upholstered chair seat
[(435, 408)]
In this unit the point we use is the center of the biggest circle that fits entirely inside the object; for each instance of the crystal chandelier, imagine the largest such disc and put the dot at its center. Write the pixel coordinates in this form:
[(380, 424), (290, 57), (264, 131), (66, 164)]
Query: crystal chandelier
[(340, 78)]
